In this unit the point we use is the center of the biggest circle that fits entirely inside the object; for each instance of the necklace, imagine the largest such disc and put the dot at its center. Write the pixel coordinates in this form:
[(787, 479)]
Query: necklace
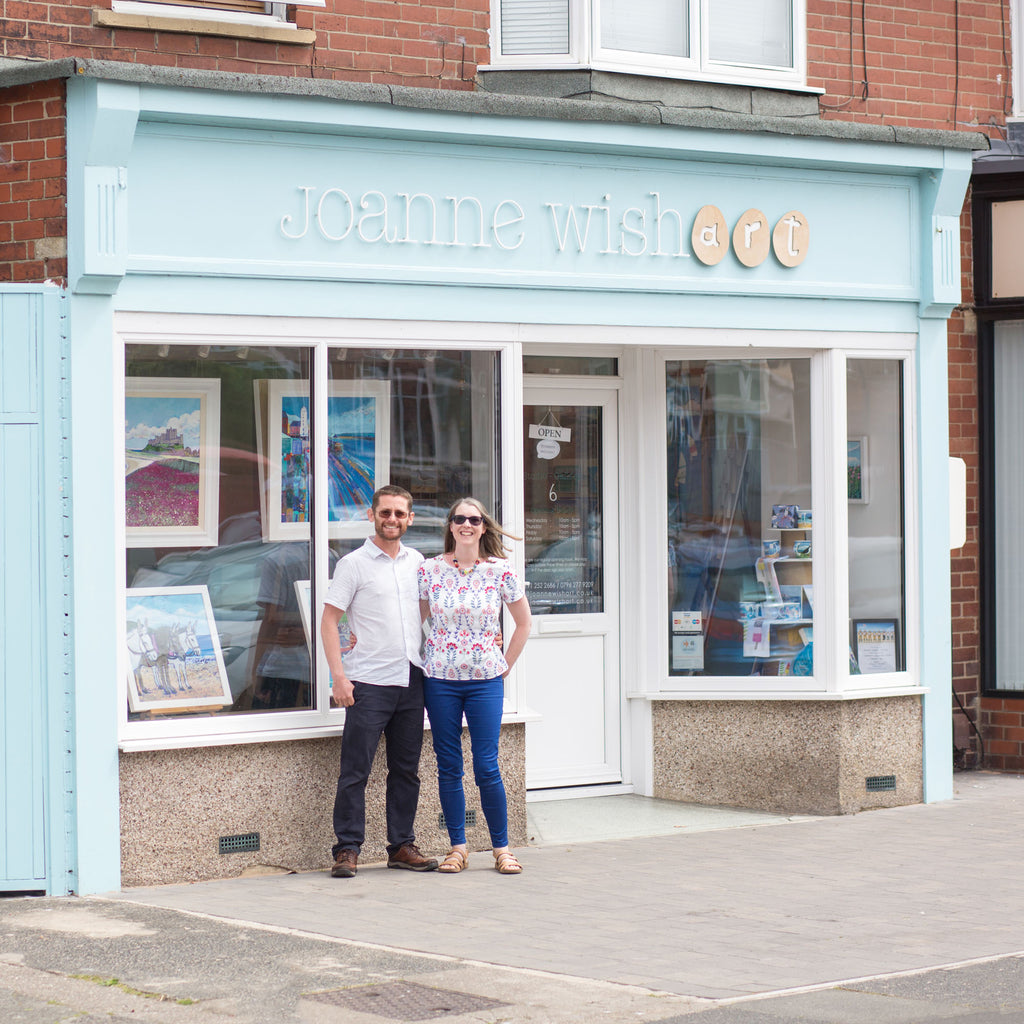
[(465, 572)]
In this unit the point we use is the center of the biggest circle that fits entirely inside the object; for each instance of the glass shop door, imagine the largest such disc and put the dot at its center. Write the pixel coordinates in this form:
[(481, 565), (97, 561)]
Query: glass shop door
[(572, 660)]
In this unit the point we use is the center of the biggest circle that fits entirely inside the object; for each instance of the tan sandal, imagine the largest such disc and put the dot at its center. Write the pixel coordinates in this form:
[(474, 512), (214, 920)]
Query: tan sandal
[(453, 863), (505, 863)]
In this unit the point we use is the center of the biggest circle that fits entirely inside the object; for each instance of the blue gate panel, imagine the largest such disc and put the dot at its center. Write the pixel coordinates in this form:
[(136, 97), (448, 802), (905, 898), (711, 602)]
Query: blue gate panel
[(24, 689)]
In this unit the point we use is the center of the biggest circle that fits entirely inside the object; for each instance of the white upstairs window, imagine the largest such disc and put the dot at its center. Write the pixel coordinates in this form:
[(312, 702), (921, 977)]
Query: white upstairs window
[(751, 41)]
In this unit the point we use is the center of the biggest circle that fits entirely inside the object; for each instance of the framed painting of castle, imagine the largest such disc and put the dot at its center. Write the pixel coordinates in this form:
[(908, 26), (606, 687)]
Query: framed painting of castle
[(171, 461)]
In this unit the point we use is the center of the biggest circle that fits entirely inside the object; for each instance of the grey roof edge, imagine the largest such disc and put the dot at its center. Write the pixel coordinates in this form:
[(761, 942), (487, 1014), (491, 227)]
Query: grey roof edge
[(15, 72)]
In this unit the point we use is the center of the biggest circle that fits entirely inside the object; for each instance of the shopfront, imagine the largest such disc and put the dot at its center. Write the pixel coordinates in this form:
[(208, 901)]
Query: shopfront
[(701, 374)]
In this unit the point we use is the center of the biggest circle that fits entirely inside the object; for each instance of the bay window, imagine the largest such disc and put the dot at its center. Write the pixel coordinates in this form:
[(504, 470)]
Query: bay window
[(758, 41)]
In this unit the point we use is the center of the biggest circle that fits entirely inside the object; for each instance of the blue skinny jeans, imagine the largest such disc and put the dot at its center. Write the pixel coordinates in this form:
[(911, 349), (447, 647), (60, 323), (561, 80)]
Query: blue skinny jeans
[(480, 700)]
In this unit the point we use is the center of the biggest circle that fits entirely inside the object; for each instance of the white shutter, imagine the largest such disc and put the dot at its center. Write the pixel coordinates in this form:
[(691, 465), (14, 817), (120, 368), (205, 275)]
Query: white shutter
[(753, 32), (534, 26)]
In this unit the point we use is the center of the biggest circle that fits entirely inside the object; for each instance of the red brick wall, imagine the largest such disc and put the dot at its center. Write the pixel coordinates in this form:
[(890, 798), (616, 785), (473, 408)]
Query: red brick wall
[(925, 66), (431, 44), (33, 208), (909, 69)]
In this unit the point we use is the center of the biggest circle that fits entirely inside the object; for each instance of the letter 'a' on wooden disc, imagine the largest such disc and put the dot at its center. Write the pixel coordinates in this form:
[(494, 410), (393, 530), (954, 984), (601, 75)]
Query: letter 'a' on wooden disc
[(710, 236), (752, 238), (790, 239)]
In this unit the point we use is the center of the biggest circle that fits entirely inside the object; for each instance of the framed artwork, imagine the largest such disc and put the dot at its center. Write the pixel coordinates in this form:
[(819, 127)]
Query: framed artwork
[(171, 461), (174, 655), (876, 645), (304, 593), (358, 452), (856, 470)]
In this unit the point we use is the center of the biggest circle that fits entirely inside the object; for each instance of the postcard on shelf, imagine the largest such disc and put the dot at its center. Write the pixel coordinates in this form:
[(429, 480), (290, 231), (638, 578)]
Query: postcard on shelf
[(784, 516), (757, 639)]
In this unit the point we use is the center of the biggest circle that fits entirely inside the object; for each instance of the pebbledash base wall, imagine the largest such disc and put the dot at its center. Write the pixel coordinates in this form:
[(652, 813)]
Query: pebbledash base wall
[(176, 805), (790, 757)]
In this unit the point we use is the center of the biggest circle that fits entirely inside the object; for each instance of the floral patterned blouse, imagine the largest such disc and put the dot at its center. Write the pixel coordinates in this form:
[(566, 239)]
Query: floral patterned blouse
[(465, 617)]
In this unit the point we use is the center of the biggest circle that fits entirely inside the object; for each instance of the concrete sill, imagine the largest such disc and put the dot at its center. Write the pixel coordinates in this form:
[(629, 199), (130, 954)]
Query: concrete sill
[(202, 27)]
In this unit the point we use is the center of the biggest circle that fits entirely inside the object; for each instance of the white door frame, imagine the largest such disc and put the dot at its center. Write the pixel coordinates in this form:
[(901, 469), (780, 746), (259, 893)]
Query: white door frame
[(603, 392)]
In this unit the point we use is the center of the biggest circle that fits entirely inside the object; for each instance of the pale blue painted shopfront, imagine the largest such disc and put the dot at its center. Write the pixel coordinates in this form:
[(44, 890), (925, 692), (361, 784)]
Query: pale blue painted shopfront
[(328, 220)]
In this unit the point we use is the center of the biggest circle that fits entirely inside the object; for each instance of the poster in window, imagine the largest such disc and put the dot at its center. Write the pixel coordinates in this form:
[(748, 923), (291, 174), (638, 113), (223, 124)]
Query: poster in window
[(856, 470), (358, 448), (174, 655), (876, 645), (171, 461)]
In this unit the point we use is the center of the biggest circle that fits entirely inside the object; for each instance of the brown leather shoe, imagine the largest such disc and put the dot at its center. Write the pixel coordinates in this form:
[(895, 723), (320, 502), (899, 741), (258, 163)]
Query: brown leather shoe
[(410, 858), (345, 864)]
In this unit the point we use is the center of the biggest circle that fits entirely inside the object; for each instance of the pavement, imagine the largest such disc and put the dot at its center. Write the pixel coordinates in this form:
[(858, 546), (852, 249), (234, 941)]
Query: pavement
[(627, 910)]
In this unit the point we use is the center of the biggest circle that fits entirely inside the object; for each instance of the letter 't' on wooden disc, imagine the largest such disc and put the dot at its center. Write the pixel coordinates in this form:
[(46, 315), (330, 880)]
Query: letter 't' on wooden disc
[(791, 238), (710, 236), (752, 238)]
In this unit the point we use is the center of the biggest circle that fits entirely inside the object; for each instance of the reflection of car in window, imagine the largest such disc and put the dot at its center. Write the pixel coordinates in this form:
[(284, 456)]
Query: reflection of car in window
[(232, 573)]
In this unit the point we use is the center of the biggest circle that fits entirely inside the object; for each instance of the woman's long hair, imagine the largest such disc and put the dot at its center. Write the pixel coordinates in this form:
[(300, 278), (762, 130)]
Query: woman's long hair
[(490, 542)]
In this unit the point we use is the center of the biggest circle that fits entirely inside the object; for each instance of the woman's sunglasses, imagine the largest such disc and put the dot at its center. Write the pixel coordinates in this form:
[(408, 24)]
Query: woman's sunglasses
[(472, 520)]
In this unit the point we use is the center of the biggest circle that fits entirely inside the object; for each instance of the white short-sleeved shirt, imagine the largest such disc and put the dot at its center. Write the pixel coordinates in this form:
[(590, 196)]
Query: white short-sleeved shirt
[(378, 593), (465, 617)]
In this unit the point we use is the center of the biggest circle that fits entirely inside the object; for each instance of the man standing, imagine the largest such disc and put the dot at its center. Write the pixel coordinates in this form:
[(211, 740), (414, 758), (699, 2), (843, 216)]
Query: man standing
[(383, 688)]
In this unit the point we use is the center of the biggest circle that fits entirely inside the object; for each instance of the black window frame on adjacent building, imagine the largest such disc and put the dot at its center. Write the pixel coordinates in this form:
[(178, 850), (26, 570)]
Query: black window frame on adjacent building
[(1000, 184)]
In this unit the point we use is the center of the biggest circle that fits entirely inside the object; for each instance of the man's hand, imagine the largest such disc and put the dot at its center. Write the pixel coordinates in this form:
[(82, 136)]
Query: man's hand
[(343, 692)]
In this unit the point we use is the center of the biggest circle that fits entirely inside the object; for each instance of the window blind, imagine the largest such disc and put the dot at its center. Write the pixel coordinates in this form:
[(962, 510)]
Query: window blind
[(758, 32), (534, 26), (646, 26)]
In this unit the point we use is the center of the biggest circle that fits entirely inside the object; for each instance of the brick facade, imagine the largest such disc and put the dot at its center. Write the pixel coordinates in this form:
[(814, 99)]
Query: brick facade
[(900, 64)]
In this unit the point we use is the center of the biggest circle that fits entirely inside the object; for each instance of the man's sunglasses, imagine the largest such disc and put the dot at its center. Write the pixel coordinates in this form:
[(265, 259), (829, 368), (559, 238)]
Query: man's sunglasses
[(387, 513), (472, 520)]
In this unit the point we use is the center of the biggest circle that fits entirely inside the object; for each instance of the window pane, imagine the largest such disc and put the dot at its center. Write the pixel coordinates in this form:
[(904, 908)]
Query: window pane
[(739, 519), (214, 623), (534, 26), (646, 26), (874, 391), (442, 433), (1007, 432), (576, 366), (565, 511), (754, 32)]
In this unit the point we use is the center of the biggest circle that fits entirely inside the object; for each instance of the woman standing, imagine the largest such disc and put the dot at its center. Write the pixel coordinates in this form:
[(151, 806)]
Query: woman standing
[(462, 591)]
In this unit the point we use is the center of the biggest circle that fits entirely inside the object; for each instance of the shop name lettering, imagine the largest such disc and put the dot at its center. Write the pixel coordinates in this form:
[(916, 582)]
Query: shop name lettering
[(654, 229)]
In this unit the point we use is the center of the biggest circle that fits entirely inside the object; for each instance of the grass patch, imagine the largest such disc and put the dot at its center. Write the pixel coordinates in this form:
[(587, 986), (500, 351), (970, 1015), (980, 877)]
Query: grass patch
[(128, 990)]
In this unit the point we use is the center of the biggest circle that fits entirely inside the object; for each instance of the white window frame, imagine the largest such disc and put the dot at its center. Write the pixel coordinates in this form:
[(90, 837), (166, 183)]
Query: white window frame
[(832, 679), (321, 336), (585, 54), (274, 12)]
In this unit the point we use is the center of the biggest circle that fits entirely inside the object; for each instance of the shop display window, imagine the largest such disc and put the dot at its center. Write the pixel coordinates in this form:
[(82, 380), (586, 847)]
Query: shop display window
[(222, 497), (740, 523), (875, 478)]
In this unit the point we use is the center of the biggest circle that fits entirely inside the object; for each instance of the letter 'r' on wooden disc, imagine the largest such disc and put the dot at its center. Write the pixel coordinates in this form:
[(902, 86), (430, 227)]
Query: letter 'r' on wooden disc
[(752, 238), (710, 236), (790, 239)]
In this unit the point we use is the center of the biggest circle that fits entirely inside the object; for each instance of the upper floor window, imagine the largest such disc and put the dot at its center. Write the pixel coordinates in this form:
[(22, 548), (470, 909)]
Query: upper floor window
[(238, 11), (756, 41)]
